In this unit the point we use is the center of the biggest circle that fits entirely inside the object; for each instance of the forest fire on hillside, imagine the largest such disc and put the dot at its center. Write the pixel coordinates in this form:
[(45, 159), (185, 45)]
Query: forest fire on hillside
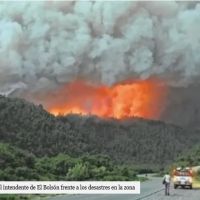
[(142, 98)]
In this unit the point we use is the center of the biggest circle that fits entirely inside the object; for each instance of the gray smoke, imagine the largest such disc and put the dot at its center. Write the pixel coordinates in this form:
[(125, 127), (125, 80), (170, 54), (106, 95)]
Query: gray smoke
[(46, 44)]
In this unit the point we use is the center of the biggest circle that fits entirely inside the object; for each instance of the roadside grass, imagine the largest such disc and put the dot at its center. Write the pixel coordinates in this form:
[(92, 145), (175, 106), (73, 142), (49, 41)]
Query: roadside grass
[(24, 197), (196, 183), (158, 175), (142, 179), (14, 197)]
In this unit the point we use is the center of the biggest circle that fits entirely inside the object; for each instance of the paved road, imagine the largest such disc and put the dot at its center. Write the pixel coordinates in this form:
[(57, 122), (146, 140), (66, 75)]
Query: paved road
[(150, 190)]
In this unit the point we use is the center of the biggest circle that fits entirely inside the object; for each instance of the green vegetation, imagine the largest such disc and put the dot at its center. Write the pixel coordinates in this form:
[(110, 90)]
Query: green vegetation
[(15, 197), (36, 145), (191, 158), (23, 197), (132, 141), (20, 165)]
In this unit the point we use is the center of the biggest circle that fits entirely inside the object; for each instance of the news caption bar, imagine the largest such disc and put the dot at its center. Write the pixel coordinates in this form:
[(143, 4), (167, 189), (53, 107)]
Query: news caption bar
[(69, 187)]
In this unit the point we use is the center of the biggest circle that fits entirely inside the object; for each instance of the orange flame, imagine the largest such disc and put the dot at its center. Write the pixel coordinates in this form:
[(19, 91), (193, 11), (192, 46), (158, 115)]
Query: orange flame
[(134, 98)]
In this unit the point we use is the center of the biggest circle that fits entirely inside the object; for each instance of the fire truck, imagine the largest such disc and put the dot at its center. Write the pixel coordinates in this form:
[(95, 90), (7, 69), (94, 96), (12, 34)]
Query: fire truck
[(183, 177)]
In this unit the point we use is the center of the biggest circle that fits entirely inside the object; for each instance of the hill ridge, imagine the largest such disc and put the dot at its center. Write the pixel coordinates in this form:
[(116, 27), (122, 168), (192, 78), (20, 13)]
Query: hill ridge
[(135, 141)]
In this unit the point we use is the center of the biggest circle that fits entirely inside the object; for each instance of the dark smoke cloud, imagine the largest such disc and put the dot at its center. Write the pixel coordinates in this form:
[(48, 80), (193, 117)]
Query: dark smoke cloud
[(46, 44)]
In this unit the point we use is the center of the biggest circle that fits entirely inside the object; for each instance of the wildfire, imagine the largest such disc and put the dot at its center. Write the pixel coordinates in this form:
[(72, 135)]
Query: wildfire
[(134, 98)]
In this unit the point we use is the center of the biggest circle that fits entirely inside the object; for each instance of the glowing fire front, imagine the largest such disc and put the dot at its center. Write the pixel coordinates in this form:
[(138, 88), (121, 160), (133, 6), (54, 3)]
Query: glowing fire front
[(134, 98)]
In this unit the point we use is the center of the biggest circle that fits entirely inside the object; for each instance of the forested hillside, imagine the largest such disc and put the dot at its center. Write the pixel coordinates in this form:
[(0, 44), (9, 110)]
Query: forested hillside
[(134, 141), (191, 158), (20, 165)]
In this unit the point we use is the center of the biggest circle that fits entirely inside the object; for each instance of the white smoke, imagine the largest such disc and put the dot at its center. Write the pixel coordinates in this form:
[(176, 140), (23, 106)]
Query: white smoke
[(46, 44)]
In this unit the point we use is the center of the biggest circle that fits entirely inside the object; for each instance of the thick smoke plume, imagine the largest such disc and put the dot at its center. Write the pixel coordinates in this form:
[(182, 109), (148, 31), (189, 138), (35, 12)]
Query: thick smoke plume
[(46, 44)]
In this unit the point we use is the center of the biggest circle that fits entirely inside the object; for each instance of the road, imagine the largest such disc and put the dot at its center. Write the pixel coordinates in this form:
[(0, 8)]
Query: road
[(150, 190)]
